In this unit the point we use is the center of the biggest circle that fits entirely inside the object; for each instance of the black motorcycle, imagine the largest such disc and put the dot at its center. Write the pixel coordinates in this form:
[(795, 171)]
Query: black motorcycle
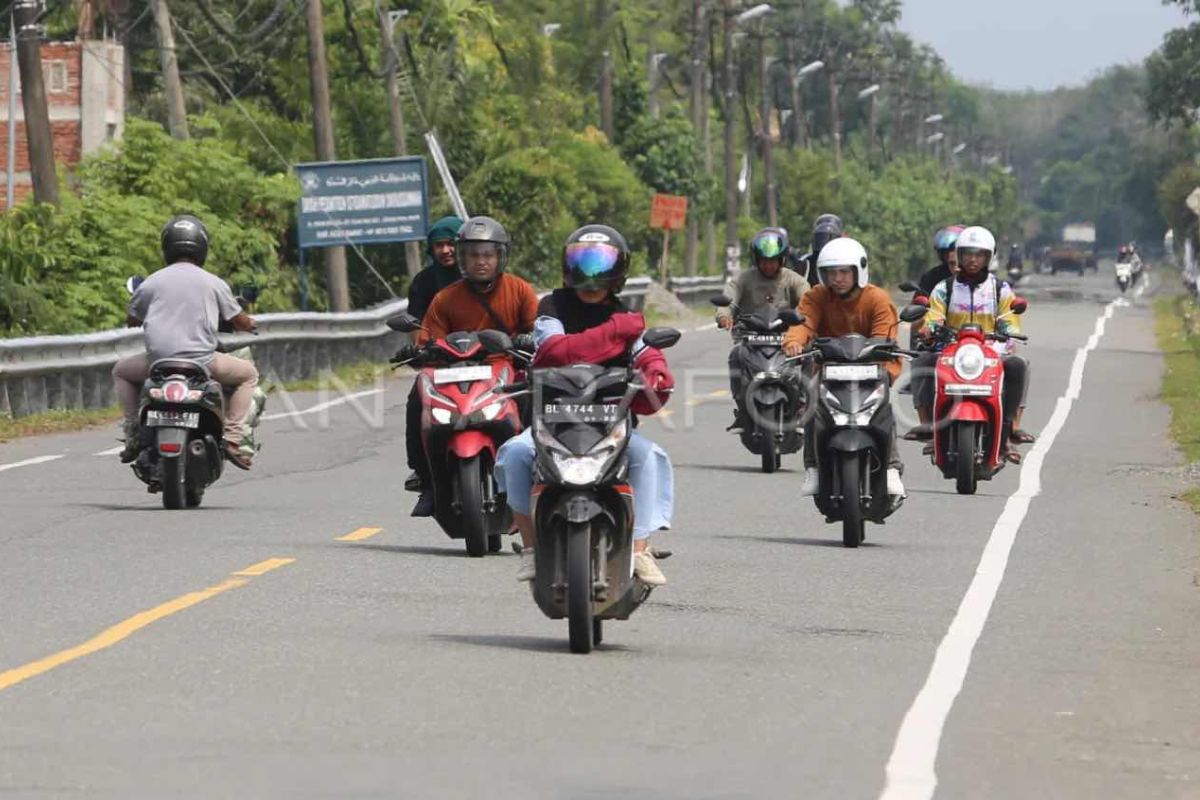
[(852, 426), (773, 397), (583, 503)]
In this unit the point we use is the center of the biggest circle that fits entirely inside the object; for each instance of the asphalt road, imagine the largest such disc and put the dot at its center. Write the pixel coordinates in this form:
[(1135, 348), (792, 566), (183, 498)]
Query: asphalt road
[(774, 664)]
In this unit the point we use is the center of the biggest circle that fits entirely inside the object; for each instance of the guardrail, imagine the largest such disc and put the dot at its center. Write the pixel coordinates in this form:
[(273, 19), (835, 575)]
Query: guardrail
[(696, 291), (43, 373)]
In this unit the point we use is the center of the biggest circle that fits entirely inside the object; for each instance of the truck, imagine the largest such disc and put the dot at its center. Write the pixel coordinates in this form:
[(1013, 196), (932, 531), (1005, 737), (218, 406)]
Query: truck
[(1075, 250)]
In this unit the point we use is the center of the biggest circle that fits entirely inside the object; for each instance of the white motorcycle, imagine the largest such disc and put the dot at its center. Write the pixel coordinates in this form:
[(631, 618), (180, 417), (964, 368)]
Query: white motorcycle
[(1124, 275)]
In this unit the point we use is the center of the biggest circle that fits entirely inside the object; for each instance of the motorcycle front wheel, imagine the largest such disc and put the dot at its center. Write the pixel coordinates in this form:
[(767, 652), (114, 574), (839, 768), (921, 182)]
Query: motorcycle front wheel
[(581, 627), (853, 532), (770, 447), (966, 480), (471, 476)]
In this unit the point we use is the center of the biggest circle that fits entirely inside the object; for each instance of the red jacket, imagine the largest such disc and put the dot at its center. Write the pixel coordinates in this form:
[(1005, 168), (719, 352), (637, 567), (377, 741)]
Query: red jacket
[(607, 341)]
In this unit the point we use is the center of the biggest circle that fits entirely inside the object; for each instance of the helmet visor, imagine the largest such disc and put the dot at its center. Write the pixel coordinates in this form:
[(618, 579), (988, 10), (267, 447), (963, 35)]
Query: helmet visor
[(769, 245), (591, 261)]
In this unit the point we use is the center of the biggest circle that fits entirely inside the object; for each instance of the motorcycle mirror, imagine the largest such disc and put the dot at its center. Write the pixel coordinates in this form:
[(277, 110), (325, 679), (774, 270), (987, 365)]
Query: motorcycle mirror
[(721, 301), (249, 293), (133, 282), (921, 300), (1020, 305), (909, 286), (913, 313), (790, 317), (661, 338), (495, 341), (404, 322)]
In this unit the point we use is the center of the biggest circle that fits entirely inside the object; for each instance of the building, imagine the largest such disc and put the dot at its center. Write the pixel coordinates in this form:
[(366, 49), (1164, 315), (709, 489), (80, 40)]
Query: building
[(86, 97)]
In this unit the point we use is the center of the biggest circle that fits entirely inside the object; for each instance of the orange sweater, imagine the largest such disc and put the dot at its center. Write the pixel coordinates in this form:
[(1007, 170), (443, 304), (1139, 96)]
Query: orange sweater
[(455, 309), (871, 313)]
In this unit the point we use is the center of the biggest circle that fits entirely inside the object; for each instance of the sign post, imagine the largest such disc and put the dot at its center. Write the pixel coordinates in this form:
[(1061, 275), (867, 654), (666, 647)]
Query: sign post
[(378, 201), (668, 212)]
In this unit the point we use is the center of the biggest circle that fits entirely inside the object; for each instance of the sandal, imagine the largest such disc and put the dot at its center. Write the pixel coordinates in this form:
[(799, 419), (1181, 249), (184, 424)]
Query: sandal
[(927, 450), (1023, 437), (920, 433), (1012, 457)]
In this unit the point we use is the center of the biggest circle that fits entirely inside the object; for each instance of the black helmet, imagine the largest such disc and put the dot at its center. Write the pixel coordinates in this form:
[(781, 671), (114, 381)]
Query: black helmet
[(769, 243), (184, 238), (595, 257), (481, 229), (827, 228)]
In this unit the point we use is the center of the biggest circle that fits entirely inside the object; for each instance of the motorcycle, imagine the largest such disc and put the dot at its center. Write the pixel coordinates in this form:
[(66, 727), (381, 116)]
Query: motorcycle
[(582, 500), (181, 423), (773, 400), (465, 417), (1016, 270), (1124, 275), (853, 428), (969, 433)]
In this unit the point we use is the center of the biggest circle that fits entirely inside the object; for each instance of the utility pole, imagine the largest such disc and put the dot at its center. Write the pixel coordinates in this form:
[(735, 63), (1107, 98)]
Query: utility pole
[(33, 98), (696, 107), (606, 97), (318, 83), (768, 149), (794, 84), (729, 89), (835, 120), (387, 21), (176, 110)]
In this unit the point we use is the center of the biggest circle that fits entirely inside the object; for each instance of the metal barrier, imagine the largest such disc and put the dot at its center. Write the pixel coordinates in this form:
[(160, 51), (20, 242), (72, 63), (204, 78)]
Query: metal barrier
[(696, 291), (43, 373)]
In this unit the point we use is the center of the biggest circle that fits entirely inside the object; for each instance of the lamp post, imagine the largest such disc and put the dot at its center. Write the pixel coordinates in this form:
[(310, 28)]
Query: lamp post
[(797, 115), (932, 119), (871, 92), (655, 60)]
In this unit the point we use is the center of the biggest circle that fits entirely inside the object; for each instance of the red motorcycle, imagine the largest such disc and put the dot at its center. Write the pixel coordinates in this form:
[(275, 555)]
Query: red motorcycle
[(969, 433), (465, 417)]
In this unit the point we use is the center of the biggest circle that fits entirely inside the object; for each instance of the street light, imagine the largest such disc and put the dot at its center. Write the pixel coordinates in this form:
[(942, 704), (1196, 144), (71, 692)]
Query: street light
[(869, 91), (959, 148), (655, 60), (550, 27), (937, 137), (932, 118), (809, 69), (760, 10)]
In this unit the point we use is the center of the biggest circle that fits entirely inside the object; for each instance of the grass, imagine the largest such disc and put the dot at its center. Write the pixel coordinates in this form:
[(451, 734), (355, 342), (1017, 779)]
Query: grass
[(56, 422), (1178, 330)]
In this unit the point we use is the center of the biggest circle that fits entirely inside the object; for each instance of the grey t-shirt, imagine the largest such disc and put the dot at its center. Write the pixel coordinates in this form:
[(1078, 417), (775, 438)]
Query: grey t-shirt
[(180, 307)]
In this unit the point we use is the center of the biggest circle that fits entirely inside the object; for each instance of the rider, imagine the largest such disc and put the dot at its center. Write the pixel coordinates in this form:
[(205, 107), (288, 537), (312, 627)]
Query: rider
[(180, 308), (767, 286), (486, 297), (826, 228), (586, 322), (845, 302), (1016, 262), (441, 270), (975, 297), (943, 244)]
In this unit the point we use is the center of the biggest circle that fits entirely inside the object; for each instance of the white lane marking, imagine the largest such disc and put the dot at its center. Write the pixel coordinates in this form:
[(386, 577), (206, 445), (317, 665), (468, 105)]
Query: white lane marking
[(110, 452), (321, 406), (28, 462), (712, 326), (911, 769)]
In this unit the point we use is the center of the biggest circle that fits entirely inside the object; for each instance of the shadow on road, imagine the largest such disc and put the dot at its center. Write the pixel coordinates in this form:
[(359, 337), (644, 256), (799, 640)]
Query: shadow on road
[(536, 644), (409, 549), (725, 468), (808, 542)]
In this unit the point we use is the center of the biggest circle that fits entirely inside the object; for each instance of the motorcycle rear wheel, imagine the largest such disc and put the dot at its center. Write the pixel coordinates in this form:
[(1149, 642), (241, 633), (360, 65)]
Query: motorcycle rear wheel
[(966, 479), (470, 495), (853, 532), (174, 482), (581, 620)]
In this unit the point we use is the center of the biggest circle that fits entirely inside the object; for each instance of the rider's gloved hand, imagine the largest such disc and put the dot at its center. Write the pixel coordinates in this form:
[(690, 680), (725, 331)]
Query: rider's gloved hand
[(523, 342), (628, 324)]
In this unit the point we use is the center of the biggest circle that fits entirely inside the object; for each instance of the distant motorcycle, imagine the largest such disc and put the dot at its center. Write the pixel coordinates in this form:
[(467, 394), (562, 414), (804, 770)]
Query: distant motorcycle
[(1124, 275), (773, 402), (465, 417)]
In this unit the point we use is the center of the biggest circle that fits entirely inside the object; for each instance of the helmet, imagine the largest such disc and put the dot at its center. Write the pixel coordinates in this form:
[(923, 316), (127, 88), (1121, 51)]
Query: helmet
[(976, 238), (184, 238), (844, 252), (481, 229), (445, 228), (944, 239), (769, 243), (825, 229), (595, 257)]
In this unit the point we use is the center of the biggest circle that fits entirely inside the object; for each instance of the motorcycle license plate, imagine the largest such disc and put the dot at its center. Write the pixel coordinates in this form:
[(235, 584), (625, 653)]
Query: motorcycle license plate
[(173, 419), (764, 339), (580, 412), (461, 374), (851, 372)]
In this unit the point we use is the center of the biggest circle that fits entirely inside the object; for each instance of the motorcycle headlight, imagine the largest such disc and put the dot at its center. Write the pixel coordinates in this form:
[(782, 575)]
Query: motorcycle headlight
[(492, 410), (969, 362), (442, 416), (579, 470), (830, 399), (869, 406)]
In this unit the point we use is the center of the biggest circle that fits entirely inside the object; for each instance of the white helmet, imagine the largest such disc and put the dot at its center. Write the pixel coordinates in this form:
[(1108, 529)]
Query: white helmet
[(844, 252), (976, 238)]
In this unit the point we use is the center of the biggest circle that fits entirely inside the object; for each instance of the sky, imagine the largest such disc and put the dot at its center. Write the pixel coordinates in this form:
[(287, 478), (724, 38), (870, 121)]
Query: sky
[(1040, 44)]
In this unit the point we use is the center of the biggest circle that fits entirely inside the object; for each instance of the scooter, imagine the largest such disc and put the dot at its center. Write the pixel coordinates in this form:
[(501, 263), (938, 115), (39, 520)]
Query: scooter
[(969, 433), (853, 428), (465, 417), (582, 500), (1124, 275), (773, 399)]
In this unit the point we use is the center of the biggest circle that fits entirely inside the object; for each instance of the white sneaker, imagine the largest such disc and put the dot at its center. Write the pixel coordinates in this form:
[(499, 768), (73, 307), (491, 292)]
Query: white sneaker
[(646, 569), (528, 567), (895, 486), (812, 482)]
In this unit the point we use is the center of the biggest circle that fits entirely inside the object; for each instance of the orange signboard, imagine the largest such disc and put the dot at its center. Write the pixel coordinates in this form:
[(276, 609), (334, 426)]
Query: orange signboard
[(669, 211)]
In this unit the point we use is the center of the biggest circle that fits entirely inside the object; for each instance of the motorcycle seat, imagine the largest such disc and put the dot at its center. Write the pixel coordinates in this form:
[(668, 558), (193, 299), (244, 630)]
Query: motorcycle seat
[(179, 366)]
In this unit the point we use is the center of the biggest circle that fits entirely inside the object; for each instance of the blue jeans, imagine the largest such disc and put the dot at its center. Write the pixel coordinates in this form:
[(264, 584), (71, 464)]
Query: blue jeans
[(650, 476)]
